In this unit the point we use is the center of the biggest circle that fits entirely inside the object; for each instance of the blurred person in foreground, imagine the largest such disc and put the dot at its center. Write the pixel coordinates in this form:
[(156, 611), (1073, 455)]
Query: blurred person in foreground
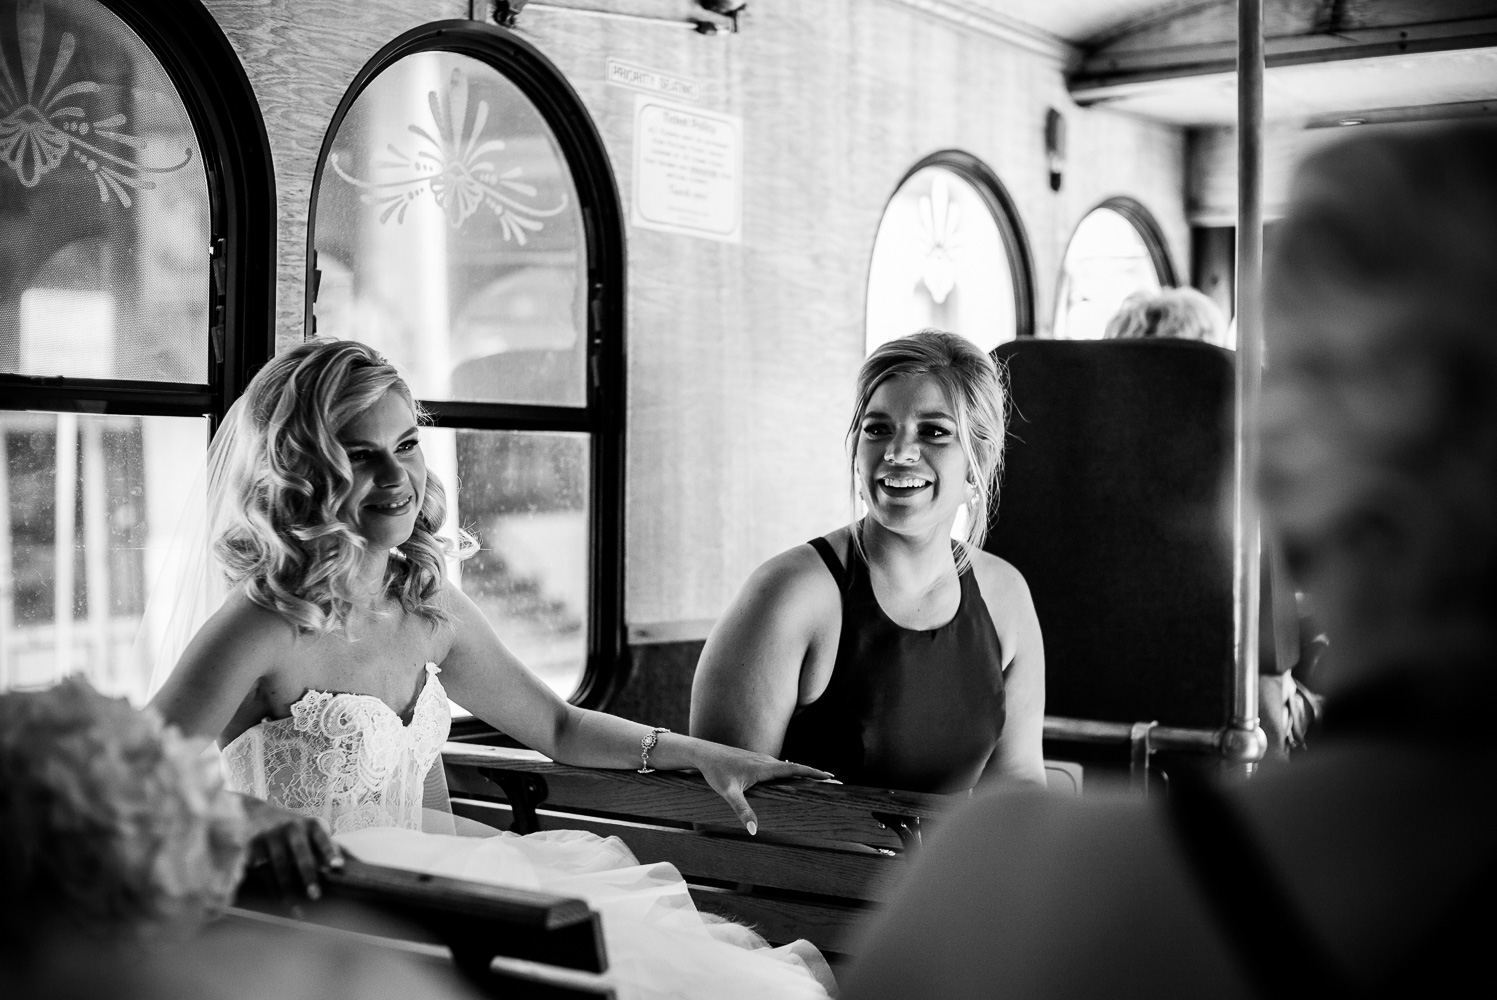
[(118, 846), (1365, 867)]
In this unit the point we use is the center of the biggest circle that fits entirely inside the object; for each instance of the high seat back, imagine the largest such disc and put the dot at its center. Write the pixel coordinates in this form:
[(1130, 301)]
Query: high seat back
[(1116, 505)]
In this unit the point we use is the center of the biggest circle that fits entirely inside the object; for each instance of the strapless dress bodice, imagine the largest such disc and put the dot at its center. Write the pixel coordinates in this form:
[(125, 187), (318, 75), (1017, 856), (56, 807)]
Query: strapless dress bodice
[(347, 759)]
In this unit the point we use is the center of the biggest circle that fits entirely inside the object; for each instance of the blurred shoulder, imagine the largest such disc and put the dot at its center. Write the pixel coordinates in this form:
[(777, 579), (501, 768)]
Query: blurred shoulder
[(1053, 897)]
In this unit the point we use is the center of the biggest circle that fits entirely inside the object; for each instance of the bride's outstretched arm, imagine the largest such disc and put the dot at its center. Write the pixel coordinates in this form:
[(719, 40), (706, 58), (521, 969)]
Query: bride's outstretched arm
[(483, 676)]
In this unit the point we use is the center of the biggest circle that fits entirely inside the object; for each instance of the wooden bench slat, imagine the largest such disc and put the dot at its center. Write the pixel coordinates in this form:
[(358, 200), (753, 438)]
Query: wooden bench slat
[(858, 875), (514, 979), (474, 920), (806, 808), (512, 905)]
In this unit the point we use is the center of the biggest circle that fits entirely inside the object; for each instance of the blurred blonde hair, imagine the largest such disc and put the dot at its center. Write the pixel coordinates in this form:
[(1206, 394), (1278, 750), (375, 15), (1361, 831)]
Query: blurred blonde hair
[(112, 825), (974, 386), (1183, 313)]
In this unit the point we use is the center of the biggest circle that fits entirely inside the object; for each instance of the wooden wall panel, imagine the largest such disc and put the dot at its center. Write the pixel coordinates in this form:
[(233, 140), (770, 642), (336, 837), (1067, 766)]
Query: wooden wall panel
[(741, 356)]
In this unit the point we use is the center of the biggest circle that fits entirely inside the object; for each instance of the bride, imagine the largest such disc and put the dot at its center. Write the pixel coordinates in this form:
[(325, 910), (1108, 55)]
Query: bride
[(325, 673)]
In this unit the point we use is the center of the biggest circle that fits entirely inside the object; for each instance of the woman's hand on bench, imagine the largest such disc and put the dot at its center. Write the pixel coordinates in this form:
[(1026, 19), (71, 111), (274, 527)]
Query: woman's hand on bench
[(731, 772)]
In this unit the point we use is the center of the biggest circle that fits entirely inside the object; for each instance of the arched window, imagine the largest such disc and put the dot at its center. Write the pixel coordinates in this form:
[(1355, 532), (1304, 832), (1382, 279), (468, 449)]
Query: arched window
[(950, 253), (466, 225), (135, 258), (1117, 250)]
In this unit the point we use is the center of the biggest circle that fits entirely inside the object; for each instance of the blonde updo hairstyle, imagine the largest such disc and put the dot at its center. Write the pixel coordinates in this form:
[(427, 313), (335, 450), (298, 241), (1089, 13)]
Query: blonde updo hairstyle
[(287, 482), (973, 385)]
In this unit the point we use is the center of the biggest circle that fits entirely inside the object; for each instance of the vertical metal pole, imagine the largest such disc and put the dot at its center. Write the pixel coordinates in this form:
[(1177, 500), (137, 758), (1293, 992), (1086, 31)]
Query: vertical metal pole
[(64, 544), (96, 558), (1245, 741)]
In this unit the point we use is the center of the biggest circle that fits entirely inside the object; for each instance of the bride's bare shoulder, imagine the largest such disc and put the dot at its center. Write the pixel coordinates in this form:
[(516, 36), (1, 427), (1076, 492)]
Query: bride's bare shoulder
[(247, 630)]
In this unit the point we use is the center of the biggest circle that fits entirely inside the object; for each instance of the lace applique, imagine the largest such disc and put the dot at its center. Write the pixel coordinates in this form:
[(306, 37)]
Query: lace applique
[(344, 757)]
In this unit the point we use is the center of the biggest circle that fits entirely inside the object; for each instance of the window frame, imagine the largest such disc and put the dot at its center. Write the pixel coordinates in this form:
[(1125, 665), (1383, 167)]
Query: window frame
[(602, 417), (1148, 230), (1144, 224), (211, 82), (1005, 212)]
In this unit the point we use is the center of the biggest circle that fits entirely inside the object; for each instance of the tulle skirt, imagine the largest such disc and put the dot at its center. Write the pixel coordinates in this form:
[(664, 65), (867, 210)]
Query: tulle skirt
[(659, 944)]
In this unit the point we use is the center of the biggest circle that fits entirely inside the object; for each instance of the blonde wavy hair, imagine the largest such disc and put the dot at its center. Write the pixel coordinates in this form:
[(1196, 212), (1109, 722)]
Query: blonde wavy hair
[(284, 479), (113, 826), (974, 385)]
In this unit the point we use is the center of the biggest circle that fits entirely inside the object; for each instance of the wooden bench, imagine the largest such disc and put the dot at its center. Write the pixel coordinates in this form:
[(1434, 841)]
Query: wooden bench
[(506, 942), (825, 852)]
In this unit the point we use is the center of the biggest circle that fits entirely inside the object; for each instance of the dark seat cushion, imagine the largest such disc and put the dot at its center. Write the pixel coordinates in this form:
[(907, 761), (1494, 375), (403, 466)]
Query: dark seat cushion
[(1116, 505)]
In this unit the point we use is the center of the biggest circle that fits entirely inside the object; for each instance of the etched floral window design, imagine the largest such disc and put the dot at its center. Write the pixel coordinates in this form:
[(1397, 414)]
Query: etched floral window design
[(448, 236), (104, 210), (939, 260), (105, 226)]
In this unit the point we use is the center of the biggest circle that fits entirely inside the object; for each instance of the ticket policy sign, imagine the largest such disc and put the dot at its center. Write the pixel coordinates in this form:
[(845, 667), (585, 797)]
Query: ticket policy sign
[(688, 170)]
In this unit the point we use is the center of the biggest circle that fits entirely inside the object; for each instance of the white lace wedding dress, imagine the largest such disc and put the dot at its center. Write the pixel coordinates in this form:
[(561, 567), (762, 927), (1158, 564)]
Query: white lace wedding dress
[(350, 760)]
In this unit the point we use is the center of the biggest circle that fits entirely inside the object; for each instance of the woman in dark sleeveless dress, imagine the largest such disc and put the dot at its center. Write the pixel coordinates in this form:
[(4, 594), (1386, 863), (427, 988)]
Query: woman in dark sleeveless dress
[(887, 652)]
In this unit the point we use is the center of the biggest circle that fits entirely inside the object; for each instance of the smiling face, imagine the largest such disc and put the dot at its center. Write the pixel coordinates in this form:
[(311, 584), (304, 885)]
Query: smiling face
[(911, 468), (388, 470)]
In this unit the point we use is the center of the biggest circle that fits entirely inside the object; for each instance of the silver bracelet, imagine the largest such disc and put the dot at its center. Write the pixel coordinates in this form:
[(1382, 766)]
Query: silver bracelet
[(646, 745)]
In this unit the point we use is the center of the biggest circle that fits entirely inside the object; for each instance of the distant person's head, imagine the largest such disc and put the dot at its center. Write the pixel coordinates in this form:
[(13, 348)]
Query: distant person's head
[(1181, 313), (957, 460), (325, 465), (113, 827), (1380, 405)]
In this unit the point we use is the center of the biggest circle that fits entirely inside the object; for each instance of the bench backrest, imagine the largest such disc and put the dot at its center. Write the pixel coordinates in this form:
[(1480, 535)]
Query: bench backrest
[(1116, 505), (506, 941)]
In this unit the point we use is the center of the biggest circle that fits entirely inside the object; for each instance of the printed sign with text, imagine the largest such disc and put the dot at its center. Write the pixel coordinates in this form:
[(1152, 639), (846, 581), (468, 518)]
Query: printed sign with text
[(688, 170)]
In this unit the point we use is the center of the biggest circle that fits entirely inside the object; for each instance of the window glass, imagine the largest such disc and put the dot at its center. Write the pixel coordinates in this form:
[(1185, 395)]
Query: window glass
[(1106, 261), (524, 494), (449, 236), (939, 260), (103, 203), (91, 503)]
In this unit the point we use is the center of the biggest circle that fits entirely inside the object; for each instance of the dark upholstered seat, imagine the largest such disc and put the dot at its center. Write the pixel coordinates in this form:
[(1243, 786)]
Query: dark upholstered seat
[(1116, 505)]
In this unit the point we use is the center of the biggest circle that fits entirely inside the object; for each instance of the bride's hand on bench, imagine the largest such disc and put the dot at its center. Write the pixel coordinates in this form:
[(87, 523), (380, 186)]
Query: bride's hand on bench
[(731, 772), (288, 850)]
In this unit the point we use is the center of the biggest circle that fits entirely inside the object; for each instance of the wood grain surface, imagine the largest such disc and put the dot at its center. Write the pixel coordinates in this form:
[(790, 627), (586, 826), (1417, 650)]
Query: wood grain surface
[(821, 810)]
